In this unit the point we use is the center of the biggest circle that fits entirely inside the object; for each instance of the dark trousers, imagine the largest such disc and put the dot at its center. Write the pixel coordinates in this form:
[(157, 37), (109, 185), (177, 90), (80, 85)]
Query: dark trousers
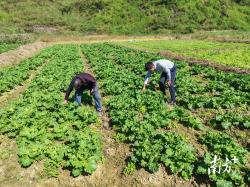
[(162, 83), (96, 96)]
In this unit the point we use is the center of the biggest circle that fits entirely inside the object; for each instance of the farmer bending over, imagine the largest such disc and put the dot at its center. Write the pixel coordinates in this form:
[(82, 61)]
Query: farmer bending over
[(82, 82), (168, 73)]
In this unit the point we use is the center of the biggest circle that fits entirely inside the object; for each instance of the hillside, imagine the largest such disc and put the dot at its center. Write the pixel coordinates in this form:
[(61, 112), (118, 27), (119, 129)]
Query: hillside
[(123, 16)]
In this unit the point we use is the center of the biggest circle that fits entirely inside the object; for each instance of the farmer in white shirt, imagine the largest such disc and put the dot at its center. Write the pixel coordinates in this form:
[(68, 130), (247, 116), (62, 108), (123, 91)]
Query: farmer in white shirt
[(168, 73)]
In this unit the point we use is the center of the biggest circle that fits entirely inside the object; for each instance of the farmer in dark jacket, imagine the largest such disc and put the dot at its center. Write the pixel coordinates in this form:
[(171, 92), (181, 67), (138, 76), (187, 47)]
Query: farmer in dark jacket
[(81, 82), (168, 73)]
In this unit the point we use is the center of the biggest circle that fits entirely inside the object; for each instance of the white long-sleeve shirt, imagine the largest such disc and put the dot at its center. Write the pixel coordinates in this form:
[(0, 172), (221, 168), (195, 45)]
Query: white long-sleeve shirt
[(160, 66)]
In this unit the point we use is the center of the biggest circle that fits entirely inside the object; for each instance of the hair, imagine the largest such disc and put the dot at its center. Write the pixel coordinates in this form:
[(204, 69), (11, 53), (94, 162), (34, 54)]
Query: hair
[(77, 83), (149, 65)]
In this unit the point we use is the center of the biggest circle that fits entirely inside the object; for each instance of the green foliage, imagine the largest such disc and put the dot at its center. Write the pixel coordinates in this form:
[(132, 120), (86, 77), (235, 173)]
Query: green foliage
[(229, 54), (212, 89), (124, 16), (12, 41), (15, 75), (186, 118), (129, 169), (223, 146), (84, 152), (44, 128), (6, 47), (139, 118), (217, 92), (230, 119), (167, 148)]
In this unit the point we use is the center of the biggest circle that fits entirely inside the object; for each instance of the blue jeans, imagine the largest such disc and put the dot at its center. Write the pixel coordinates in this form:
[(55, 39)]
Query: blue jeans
[(96, 96), (162, 82)]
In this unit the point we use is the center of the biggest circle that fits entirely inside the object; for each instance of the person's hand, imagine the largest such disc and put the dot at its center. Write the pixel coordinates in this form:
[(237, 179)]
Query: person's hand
[(65, 101), (169, 83), (144, 88)]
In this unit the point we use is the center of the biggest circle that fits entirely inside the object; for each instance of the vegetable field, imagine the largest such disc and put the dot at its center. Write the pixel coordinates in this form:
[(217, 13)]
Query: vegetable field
[(44, 128), (211, 118), (230, 54)]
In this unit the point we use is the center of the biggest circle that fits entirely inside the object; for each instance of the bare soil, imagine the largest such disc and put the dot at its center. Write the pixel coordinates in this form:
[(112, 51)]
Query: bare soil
[(15, 56)]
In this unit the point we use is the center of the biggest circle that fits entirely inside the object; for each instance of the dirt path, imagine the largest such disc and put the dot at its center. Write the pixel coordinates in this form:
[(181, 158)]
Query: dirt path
[(101, 38), (15, 56)]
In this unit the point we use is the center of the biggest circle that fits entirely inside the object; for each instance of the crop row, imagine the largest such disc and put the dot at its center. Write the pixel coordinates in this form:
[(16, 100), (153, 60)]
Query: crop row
[(214, 82), (141, 119), (240, 82), (213, 89), (137, 117), (183, 46), (6, 47), (230, 54), (45, 129), (15, 75)]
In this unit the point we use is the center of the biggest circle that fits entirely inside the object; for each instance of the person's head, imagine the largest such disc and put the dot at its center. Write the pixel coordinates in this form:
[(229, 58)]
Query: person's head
[(77, 83), (149, 66)]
